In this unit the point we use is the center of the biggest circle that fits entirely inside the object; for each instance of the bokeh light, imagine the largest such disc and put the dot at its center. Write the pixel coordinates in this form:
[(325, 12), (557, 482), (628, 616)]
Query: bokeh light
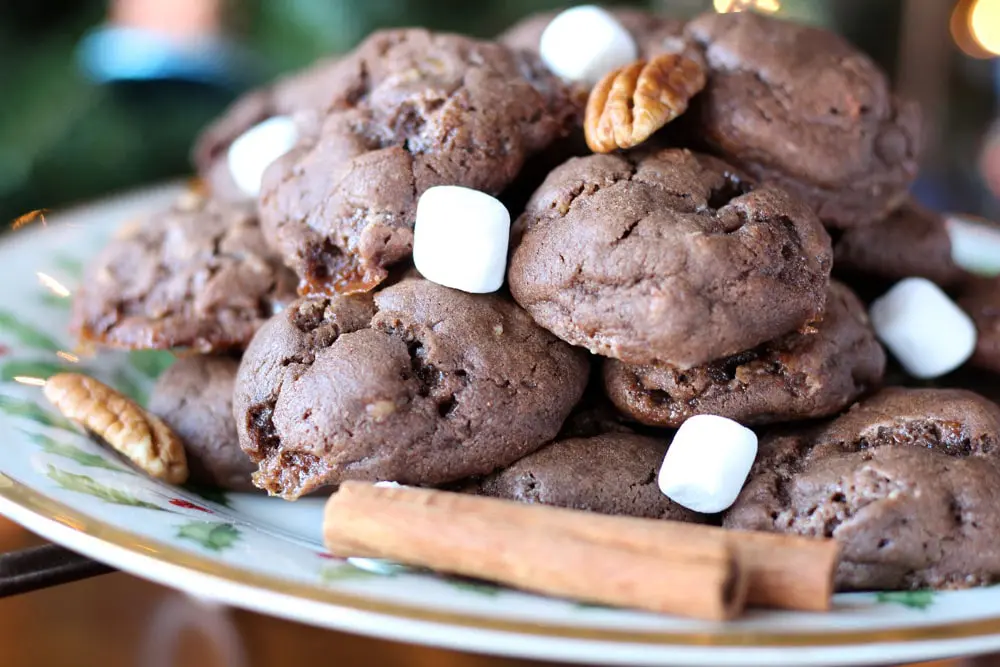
[(765, 6), (984, 24)]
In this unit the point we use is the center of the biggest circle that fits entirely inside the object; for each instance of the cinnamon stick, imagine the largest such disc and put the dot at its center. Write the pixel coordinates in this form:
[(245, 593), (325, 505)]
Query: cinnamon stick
[(784, 571), (506, 542)]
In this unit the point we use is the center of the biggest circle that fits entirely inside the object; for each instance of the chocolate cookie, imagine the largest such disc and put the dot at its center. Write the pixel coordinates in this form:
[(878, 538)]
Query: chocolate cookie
[(424, 109), (908, 481), (195, 398), (912, 241), (426, 385), (980, 298), (799, 376), (611, 474), (799, 107), (653, 34), (302, 95), (198, 275), (667, 257)]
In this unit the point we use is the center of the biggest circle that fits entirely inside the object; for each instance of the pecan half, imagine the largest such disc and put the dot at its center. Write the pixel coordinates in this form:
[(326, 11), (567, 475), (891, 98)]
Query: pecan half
[(631, 103), (140, 436)]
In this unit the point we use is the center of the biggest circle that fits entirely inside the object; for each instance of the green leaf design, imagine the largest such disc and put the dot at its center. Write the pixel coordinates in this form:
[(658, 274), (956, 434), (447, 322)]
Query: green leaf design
[(477, 587), (210, 493), (124, 383), (151, 363), (86, 459), (16, 407), (54, 300), (38, 369), (331, 574), (84, 484), (212, 536), (26, 334), (912, 599), (69, 265), (593, 606)]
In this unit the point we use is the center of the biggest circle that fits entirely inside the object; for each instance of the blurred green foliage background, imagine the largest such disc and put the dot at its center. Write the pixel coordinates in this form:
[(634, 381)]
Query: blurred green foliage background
[(65, 136)]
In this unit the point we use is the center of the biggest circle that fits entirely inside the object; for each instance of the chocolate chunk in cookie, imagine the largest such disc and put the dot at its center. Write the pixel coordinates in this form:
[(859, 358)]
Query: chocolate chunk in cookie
[(613, 473), (667, 257), (424, 386), (980, 298), (198, 275), (912, 241), (302, 95), (426, 109), (799, 107), (799, 376), (908, 481), (195, 398)]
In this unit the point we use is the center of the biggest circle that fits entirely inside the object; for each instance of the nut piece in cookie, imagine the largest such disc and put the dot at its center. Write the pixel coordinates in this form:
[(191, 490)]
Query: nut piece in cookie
[(195, 398), (667, 257), (425, 385), (198, 275), (629, 104), (299, 97), (613, 473), (907, 481), (912, 242), (426, 109), (799, 107), (799, 376)]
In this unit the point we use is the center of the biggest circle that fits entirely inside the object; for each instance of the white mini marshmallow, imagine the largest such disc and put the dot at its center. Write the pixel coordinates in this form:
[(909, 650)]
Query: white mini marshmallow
[(460, 239), (707, 463), (585, 43), (975, 246), (254, 150), (925, 330)]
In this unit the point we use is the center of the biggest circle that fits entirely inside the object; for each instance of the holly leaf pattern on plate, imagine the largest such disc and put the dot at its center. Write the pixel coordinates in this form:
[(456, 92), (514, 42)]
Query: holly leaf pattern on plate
[(332, 574), (151, 363), (911, 599), (26, 334), (84, 458), (69, 265), (212, 494), (16, 407), (88, 485), (29, 368), (478, 587), (210, 535), (124, 383)]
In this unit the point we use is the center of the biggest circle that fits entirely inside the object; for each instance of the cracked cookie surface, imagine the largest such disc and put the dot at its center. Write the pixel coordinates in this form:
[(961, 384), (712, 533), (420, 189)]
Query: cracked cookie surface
[(908, 481), (198, 275), (912, 241), (612, 473), (800, 107), (799, 376), (304, 96), (421, 385), (423, 109), (667, 257), (195, 398)]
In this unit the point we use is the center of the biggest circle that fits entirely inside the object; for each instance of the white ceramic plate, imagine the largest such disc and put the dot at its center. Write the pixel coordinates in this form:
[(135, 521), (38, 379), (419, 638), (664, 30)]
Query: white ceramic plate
[(265, 554)]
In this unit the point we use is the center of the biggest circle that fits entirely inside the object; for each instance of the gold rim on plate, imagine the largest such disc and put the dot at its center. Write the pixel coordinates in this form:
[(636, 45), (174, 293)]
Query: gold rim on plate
[(47, 509)]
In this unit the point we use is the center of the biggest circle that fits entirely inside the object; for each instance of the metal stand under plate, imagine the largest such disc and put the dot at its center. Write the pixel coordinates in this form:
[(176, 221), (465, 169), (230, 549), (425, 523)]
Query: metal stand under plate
[(32, 569)]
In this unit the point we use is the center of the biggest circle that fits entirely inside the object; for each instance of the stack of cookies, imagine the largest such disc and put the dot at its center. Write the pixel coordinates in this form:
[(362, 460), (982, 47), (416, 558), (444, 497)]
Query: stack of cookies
[(585, 264)]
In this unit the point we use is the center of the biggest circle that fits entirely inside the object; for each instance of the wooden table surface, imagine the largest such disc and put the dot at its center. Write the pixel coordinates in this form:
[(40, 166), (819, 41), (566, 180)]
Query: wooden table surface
[(120, 621)]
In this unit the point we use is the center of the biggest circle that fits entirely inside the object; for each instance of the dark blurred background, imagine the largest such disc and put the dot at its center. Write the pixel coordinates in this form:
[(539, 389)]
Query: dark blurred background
[(101, 95)]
